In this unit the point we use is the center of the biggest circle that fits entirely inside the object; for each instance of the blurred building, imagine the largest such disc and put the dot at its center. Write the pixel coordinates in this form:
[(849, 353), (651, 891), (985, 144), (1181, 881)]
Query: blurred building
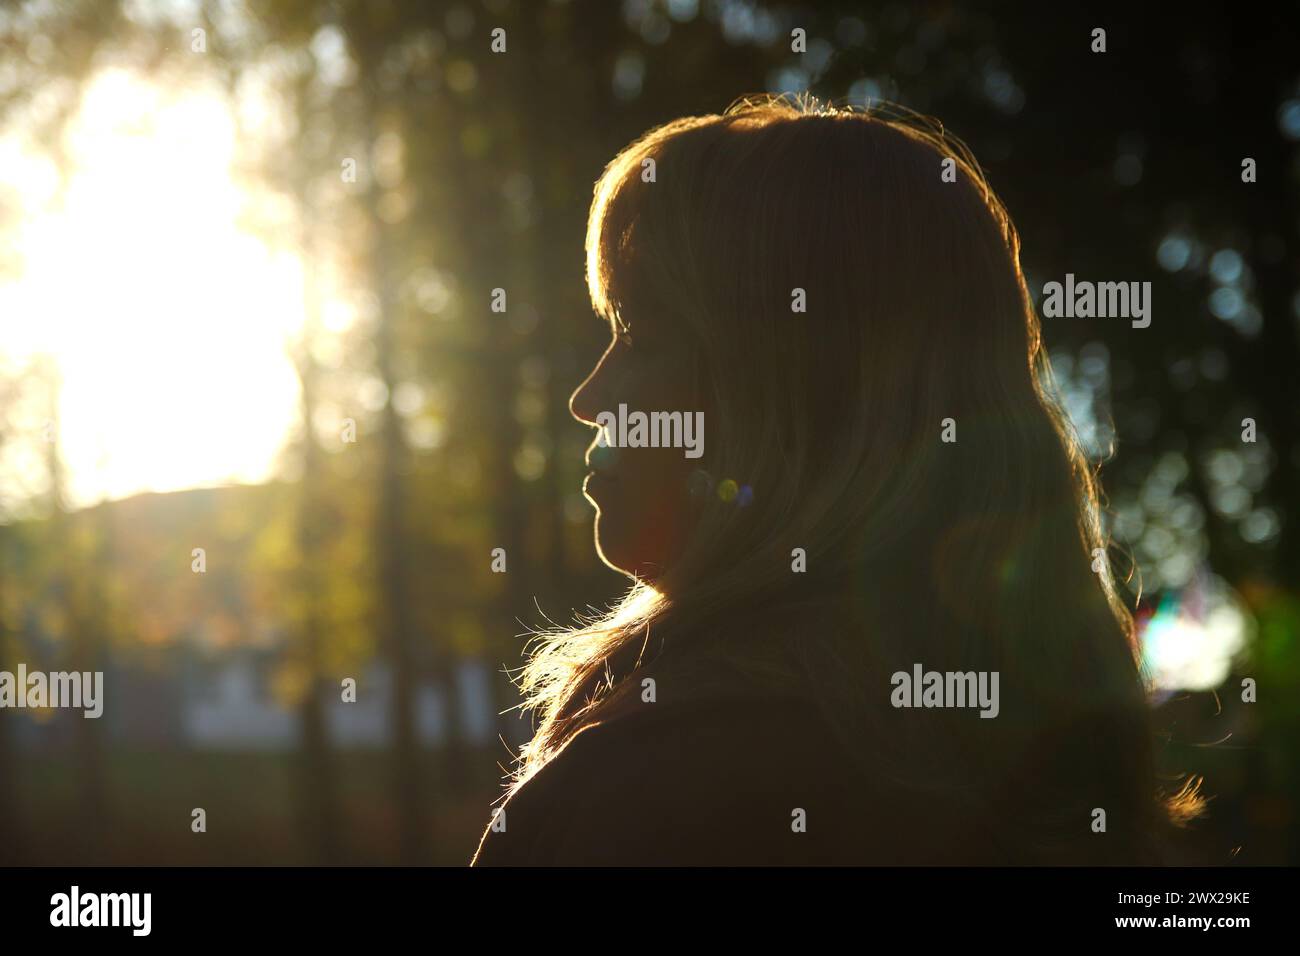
[(184, 698)]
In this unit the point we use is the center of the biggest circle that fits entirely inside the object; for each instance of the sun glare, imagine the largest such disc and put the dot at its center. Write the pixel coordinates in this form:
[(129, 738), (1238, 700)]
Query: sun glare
[(166, 319)]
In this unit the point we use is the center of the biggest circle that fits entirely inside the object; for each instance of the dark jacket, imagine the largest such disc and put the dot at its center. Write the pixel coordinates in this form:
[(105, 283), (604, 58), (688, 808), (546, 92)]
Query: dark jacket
[(729, 782)]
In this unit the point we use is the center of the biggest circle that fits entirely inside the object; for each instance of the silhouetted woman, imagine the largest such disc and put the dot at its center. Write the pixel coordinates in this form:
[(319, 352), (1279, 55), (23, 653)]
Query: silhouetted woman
[(887, 489)]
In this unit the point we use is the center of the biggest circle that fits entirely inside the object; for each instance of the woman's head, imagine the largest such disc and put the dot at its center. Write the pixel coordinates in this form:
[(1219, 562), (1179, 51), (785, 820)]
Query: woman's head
[(839, 295), (826, 288)]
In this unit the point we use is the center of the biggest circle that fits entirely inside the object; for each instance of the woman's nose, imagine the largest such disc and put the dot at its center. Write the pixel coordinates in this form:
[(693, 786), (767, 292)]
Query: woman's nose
[(586, 401)]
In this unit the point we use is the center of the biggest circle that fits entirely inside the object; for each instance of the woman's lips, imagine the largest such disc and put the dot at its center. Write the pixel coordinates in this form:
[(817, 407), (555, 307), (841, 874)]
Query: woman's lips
[(597, 479), (601, 469)]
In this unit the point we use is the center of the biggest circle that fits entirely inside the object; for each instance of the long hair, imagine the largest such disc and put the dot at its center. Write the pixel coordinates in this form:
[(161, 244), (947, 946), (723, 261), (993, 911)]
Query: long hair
[(870, 544)]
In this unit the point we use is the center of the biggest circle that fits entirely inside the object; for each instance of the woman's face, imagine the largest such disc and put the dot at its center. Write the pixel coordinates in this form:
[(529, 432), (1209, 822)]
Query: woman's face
[(641, 494)]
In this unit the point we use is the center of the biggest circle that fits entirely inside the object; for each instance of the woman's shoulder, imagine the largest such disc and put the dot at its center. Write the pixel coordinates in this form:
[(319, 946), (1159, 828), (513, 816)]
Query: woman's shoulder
[(647, 785), (726, 781)]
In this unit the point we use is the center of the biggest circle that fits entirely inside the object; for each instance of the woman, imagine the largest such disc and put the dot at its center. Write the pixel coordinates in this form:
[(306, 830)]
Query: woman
[(886, 495)]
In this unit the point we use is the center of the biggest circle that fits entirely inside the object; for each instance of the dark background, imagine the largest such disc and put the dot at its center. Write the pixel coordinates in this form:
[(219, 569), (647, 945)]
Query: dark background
[(474, 172)]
